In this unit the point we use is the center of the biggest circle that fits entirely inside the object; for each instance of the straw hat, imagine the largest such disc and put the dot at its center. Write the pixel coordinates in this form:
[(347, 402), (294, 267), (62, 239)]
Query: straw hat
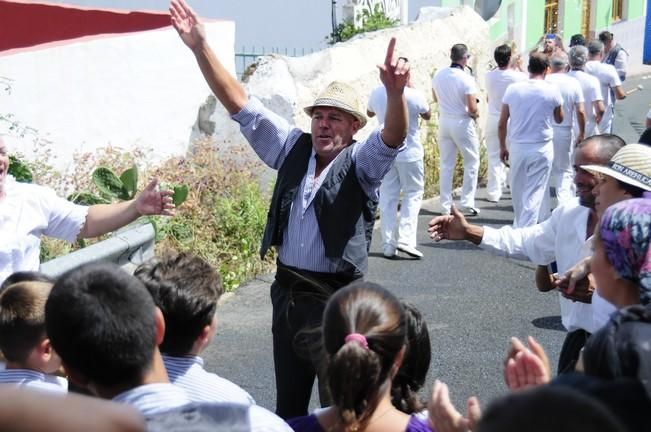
[(631, 165), (341, 96)]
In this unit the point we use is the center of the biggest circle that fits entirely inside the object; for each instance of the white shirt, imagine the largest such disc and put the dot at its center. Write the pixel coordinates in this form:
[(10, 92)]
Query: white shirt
[(200, 385), (561, 238), (648, 115), (154, 398), (607, 76), (451, 86), (531, 110), (570, 92), (497, 81), (416, 105), (34, 380), (591, 91), (27, 212)]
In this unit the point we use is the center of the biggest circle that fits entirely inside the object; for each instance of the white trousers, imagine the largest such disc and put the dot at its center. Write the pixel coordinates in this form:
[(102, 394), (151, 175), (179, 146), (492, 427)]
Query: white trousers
[(531, 164), (408, 177), (562, 177), (496, 169), (458, 133), (606, 123)]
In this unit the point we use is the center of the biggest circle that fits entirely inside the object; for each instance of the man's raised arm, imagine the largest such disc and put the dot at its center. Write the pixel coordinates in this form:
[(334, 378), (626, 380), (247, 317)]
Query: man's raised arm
[(225, 86), (394, 76)]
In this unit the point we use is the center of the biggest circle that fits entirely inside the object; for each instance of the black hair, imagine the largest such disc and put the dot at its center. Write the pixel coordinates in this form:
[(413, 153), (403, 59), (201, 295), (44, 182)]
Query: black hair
[(355, 374), (538, 63), (548, 408), (413, 372), (101, 322), (502, 55), (25, 276), (458, 52), (645, 138), (186, 289), (606, 36), (633, 191)]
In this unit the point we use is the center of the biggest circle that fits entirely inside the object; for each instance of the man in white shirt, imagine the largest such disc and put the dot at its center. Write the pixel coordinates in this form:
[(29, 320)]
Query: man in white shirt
[(564, 139), (406, 175), (593, 99), (497, 82), (561, 238), (611, 86), (456, 93), (614, 54), (106, 328), (530, 105)]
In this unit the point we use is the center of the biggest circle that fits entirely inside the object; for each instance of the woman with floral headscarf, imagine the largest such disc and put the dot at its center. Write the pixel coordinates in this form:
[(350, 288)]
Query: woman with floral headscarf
[(621, 261)]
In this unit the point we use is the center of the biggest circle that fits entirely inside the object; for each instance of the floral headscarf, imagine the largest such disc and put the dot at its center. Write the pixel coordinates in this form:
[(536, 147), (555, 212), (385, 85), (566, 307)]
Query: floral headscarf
[(625, 230)]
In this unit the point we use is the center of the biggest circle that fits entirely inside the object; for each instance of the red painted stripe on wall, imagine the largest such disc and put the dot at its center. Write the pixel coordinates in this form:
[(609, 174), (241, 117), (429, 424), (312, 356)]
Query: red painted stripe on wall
[(29, 24)]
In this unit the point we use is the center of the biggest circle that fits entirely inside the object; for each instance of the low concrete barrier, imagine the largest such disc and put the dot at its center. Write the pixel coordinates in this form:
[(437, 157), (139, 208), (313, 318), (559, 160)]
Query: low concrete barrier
[(127, 248)]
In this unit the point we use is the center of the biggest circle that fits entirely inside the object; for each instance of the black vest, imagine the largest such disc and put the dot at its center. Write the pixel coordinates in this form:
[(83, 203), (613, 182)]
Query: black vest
[(345, 214)]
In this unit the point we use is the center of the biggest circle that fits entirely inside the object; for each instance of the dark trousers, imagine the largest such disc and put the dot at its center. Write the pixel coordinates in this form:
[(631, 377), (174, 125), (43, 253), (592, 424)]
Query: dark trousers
[(574, 342), (299, 298)]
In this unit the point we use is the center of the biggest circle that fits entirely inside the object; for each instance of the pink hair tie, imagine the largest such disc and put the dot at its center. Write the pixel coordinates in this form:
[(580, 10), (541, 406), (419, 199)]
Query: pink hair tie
[(357, 337)]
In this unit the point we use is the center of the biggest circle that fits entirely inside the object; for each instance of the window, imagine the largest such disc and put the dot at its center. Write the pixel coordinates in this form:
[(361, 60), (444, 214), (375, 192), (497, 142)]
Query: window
[(618, 10), (551, 16)]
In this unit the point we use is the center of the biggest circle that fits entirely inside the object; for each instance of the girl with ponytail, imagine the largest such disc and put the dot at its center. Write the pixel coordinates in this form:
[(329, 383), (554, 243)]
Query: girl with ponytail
[(365, 340)]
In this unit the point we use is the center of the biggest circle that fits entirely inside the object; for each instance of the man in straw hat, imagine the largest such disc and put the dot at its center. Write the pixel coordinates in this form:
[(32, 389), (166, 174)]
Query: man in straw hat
[(322, 210), (561, 239)]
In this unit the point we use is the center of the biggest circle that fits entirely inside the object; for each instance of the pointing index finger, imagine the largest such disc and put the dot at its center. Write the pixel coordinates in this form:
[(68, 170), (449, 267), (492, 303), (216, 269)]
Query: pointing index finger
[(389, 58)]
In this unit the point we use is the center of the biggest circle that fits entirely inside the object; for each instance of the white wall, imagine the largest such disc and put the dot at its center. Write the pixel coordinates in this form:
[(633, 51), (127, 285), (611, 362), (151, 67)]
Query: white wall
[(141, 89)]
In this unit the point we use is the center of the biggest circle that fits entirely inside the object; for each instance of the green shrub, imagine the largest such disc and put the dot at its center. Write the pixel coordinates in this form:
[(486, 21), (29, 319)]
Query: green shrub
[(371, 21)]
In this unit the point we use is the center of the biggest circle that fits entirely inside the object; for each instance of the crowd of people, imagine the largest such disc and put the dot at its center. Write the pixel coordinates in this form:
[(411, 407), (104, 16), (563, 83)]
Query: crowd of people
[(128, 348)]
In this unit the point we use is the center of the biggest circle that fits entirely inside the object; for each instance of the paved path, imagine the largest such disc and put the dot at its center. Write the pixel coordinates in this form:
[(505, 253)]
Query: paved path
[(473, 301)]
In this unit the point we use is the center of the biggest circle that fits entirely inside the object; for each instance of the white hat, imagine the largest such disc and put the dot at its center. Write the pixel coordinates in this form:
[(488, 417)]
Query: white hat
[(341, 96), (631, 165)]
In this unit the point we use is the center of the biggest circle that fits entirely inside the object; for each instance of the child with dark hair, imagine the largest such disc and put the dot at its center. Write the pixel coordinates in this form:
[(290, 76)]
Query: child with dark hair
[(186, 289), (413, 372), (107, 329), (365, 340), (30, 359)]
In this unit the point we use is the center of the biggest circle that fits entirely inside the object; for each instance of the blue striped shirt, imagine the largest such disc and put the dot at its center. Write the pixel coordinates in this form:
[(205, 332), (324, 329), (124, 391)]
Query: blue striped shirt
[(201, 385), (154, 398), (272, 138), (34, 380)]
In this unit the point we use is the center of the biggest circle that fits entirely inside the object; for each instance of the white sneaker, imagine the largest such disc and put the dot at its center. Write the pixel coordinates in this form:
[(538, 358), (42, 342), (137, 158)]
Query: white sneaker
[(389, 250), (410, 250)]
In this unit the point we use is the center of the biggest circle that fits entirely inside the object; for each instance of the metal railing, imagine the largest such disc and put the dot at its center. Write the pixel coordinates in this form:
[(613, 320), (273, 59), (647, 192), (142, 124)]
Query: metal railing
[(245, 58), (127, 248)]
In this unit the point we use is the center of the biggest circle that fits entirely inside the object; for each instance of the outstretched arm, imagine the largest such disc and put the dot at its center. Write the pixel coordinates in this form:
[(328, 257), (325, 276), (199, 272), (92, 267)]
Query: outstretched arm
[(394, 75), (225, 86), (454, 227), (104, 218)]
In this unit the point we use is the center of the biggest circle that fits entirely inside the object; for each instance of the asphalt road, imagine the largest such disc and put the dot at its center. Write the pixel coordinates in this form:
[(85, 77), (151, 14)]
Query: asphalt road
[(473, 302)]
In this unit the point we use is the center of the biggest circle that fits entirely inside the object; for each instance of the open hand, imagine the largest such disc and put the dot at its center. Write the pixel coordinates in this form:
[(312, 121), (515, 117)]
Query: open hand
[(448, 227), (154, 202), (186, 22), (444, 417), (526, 367), (394, 74)]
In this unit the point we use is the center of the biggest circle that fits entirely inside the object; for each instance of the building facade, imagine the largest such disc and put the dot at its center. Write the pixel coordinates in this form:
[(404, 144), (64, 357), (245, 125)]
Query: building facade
[(525, 21)]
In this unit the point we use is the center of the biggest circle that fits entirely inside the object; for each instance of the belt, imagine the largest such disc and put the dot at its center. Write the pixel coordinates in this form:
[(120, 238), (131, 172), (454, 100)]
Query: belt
[(299, 280)]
